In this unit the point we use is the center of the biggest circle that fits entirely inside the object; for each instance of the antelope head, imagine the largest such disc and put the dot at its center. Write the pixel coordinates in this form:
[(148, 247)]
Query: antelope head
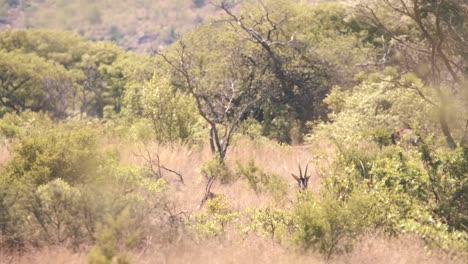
[(303, 178)]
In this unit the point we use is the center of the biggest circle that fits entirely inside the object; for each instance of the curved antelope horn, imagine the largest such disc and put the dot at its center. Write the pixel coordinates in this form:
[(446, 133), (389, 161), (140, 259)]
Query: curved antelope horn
[(305, 173), (300, 169), (307, 167), (294, 176)]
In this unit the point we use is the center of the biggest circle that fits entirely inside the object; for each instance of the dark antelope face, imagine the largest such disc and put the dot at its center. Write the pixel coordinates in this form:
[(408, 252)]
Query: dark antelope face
[(303, 179)]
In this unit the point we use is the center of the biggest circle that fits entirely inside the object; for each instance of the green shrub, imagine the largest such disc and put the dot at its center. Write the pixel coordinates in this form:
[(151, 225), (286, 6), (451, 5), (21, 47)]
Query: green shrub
[(57, 208), (330, 225), (45, 154), (420, 190), (59, 183), (14, 125), (115, 236), (219, 170), (12, 217), (215, 221), (275, 223), (172, 114), (262, 182), (251, 128)]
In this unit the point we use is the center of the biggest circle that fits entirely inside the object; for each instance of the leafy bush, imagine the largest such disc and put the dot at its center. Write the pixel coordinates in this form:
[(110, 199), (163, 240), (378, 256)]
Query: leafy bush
[(419, 190), (114, 238), (59, 183), (262, 182), (173, 115), (215, 221), (332, 226), (14, 125), (215, 168), (56, 208), (275, 223), (45, 154)]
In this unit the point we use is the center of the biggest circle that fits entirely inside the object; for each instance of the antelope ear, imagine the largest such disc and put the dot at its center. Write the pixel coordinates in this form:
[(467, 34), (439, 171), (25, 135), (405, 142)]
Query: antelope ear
[(295, 177)]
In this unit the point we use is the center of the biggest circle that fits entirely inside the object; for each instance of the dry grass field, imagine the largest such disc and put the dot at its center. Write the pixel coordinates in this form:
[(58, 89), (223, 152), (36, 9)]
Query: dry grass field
[(233, 248), (371, 250)]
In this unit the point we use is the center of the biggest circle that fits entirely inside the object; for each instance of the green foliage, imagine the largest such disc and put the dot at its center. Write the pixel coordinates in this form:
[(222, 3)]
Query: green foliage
[(30, 82), (11, 217), (381, 136), (251, 128), (13, 125), (59, 72), (269, 68), (218, 169), (437, 235), (57, 207), (114, 238), (215, 221), (271, 222), (172, 114), (330, 225), (448, 179), (45, 154), (417, 190), (363, 113), (58, 184), (262, 182)]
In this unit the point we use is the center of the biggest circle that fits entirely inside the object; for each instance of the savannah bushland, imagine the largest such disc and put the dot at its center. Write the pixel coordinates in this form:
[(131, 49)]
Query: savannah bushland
[(265, 132)]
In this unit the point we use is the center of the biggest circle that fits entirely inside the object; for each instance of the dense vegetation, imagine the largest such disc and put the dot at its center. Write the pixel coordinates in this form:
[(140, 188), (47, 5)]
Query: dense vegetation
[(375, 92)]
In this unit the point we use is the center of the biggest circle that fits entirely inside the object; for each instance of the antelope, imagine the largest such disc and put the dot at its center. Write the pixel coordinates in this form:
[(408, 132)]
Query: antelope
[(208, 194), (303, 179)]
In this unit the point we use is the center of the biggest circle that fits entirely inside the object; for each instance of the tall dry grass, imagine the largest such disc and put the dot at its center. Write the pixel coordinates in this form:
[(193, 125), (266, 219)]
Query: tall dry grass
[(272, 157), (188, 160), (378, 250)]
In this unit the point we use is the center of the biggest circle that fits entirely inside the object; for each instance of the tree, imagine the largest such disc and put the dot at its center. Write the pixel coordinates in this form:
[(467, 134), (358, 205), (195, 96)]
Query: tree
[(99, 81), (431, 32), (220, 79), (296, 78), (30, 82), (173, 115), (96, 75)]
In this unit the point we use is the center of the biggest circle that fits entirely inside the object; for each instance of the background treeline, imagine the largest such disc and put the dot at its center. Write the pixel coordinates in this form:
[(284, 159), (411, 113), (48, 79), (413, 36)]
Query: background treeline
[(114, 150), (134, 25)]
